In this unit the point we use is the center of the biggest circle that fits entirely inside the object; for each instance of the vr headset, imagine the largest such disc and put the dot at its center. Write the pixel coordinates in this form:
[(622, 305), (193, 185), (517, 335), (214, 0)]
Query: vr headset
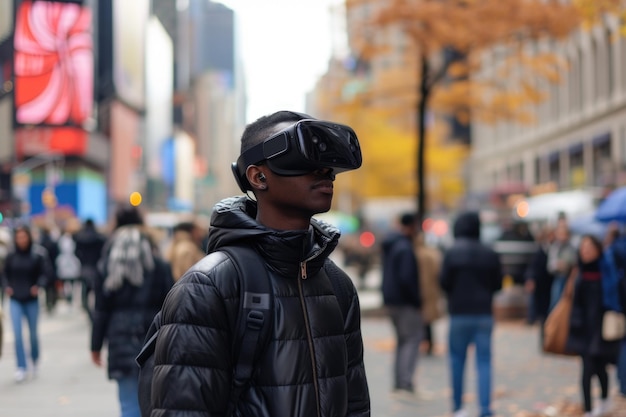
[(303, 147)]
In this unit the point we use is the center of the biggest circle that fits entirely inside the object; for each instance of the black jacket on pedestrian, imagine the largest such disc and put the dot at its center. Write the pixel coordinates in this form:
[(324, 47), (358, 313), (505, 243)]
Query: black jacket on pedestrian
[(123, 315), (538, 272), (400, 284), (585, 331), (313, 363), (25, 268), (52, 249), (89, 245), (471, 271)]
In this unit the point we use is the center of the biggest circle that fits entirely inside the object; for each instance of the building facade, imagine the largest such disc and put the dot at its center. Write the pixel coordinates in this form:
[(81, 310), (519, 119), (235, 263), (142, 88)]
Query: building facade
[(578, 137)]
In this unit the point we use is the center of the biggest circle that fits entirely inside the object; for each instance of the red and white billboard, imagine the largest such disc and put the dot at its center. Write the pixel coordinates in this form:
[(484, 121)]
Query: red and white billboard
[(53, 64)]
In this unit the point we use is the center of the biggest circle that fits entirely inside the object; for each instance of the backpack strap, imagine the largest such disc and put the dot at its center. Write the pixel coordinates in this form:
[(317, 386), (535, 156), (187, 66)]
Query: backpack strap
[(254, 321), (341, 286)]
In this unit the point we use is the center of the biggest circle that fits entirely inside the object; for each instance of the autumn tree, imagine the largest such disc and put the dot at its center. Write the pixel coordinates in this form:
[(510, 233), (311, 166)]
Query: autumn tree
[(444, 52)]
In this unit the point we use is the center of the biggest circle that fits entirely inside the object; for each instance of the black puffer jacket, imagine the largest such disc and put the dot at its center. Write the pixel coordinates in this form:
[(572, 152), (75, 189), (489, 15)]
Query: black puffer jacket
[(313, 364), (24, 269)]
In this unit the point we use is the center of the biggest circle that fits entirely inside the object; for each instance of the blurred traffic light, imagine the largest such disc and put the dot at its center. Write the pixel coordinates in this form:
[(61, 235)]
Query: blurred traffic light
[(135, 199)]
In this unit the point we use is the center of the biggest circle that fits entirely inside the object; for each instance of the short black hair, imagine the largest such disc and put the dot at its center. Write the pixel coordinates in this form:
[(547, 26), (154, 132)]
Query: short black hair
[(262, 128), (127, 215), (408, 219)]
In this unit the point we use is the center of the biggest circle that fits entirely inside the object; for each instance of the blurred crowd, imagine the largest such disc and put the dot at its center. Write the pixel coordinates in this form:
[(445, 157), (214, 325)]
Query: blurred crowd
[(584, 271), (91, 271)]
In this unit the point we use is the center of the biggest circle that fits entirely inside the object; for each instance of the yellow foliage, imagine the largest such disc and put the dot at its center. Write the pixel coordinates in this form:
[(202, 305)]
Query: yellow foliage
[(382, 105)]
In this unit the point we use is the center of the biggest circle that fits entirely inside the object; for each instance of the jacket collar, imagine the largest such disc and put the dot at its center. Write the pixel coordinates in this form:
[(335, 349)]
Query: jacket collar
[(234, 222)]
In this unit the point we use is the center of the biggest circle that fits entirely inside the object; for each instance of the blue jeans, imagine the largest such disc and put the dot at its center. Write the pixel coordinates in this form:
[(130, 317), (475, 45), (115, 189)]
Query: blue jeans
[(407, 322), (466, 330), (128, 393), (29, 310), (621, 368), (558, 285)]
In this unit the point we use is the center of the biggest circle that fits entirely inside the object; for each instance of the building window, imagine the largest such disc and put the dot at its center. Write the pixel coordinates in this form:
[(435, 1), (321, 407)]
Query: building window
[(538, 176), (555, 168), (577, 166), (603, 172)]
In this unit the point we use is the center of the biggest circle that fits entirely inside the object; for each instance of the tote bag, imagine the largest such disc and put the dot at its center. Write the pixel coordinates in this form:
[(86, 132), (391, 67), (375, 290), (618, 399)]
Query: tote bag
[(556, 327), (613, 326)]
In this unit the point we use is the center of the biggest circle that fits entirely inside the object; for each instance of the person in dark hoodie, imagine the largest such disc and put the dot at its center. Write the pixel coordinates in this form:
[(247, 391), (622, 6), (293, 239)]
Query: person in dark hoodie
[(402, 299), (26, 270), (312, 364), (88, 249), (470, 275)]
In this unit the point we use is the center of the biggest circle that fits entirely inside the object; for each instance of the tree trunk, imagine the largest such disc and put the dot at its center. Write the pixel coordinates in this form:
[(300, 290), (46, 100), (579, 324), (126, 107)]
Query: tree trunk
[(422, 100)]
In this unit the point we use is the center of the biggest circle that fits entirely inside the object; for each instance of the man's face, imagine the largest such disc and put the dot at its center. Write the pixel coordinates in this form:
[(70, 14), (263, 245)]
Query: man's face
[(307, 194)]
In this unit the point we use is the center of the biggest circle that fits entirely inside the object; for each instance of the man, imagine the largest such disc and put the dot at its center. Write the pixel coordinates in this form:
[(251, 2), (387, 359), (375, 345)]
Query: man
[(539, 280), (561, 260), (185, 249), (470, 275), (402, 298), (89, 245), (312, 365), (52, 286)]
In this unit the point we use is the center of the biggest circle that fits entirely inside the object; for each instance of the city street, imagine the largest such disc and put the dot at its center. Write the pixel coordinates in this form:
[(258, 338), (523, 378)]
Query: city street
[(525, 382)]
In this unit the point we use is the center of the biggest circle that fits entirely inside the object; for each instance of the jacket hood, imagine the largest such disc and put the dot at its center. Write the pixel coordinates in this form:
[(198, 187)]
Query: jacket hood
[(467, 225), (233, 222), (390, 239)]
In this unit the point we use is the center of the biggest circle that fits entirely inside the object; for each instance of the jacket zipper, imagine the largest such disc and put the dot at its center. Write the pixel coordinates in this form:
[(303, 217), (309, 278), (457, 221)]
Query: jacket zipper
[(303, 276)]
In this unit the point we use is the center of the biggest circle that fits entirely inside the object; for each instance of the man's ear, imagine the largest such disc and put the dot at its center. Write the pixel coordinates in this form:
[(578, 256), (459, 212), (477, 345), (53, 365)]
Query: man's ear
[(256, 177)]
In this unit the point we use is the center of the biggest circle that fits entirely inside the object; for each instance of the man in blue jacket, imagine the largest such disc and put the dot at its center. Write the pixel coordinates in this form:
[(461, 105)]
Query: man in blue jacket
[(402, 298), (470, 275)]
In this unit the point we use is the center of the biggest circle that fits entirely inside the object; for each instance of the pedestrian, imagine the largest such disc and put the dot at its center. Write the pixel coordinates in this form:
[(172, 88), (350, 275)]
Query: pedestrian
[(26, 270), (185, 250), (585, 331), (129, 290), (429, 262), (403, 301), (470, 276), (615, 252), (52, 288), (312, 365), (561, 260), (5, 247), (539, 280), (89, 244), (67, 263)]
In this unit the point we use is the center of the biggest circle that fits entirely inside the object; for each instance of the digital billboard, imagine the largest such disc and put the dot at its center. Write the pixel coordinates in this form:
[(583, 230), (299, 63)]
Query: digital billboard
[(129, 38), (53, 63)]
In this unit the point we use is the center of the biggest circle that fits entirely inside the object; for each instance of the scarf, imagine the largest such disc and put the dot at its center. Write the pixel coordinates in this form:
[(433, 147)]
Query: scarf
[(130, 256)]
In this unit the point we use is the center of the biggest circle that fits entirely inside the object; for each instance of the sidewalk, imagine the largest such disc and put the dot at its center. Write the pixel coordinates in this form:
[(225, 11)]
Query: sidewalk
[(526, 383), (68, 384)]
